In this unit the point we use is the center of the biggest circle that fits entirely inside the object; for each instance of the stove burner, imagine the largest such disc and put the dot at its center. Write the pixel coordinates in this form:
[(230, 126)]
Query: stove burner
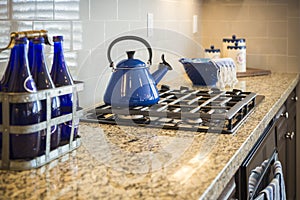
[(184, 109)]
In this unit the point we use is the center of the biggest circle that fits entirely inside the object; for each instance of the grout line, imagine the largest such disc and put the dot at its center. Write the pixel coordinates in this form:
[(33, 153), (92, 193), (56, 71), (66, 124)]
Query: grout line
[(89, 2), (9, 4), (117, 9), (71, 36), (53, 12)]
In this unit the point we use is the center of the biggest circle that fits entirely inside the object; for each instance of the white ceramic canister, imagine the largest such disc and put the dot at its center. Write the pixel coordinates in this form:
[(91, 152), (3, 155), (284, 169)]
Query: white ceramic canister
[(238, 54), (212, 53), (231, 42)]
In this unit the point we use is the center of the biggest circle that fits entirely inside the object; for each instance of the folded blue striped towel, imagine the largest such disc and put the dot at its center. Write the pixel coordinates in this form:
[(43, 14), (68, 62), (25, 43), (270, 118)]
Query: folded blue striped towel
[(276, 188), (255, 176)]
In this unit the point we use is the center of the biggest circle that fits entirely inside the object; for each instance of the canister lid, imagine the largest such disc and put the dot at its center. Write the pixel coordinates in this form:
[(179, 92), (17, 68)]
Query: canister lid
[(212, 50), (234, 39), (236, 46)]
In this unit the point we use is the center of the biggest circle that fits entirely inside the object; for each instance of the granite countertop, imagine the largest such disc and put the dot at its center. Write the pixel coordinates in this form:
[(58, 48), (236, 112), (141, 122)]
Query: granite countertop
[(141, 163)]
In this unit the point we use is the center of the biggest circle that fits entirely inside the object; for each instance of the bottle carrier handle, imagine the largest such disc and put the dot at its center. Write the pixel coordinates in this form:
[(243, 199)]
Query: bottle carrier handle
[(29, 34)]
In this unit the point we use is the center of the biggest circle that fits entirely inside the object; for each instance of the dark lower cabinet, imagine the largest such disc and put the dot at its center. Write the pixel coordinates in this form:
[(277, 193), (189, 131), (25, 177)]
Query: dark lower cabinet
[(279, 139), (286, 142), (291, 162)]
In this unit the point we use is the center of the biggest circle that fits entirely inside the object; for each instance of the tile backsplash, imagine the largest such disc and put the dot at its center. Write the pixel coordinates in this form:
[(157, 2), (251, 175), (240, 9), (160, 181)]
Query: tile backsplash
[(271, 29)]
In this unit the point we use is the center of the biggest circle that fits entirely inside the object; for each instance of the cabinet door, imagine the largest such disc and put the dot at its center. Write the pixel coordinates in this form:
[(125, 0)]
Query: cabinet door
[(281, 130), (291, 159), (290, 137), (286, 144)]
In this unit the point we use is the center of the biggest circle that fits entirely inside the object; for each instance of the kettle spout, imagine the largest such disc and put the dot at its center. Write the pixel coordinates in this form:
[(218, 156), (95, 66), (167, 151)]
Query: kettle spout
[(163, 68)]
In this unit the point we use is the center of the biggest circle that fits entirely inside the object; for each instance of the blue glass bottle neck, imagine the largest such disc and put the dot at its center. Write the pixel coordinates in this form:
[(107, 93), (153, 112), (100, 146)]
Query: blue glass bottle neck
[(20, 60), (58, 51), (60, 73), (21, 80), (39, 64)]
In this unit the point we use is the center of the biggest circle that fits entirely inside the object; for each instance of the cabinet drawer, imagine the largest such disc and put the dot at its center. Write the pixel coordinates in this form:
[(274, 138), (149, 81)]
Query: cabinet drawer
[(281, 130), (291, 103), (281, 126)]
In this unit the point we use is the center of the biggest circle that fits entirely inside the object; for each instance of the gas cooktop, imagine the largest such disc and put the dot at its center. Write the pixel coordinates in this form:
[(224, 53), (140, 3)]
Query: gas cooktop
[(201, 110)]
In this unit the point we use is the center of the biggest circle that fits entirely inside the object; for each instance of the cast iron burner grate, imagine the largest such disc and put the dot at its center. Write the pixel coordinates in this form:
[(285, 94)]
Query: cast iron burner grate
[(201, 110)]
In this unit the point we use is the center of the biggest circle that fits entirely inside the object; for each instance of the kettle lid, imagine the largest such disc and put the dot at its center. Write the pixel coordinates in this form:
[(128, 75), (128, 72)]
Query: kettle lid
[(131, 62)]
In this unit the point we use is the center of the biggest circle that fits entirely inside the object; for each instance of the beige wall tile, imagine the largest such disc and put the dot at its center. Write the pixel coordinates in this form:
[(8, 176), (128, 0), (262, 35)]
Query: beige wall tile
[(257, 61), (294, 36), (225, 12), (216, 29), (277, 29), (267, 46), (294, 64), (249, 28), (268, 12), (293, 8), (278, 63), (277, 60)]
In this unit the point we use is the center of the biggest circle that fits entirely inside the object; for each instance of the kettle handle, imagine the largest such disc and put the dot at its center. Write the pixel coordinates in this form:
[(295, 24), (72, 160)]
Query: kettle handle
[(129, 37)]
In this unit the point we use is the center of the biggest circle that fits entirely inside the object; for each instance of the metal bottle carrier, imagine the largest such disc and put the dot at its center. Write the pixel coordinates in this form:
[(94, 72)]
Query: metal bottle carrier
[(6, 129), (6, 98)]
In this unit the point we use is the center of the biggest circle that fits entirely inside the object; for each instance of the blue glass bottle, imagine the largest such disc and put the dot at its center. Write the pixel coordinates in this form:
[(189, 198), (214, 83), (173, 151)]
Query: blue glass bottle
[(61, 77), (42, 79), (23, 146), (4, 86)]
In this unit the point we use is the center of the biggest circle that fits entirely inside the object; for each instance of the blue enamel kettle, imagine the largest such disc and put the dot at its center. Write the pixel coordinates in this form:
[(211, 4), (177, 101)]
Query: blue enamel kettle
[(131, 83)]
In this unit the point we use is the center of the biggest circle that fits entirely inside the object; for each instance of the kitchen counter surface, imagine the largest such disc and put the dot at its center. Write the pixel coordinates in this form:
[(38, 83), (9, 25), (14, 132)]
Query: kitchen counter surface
[(139, 163)]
